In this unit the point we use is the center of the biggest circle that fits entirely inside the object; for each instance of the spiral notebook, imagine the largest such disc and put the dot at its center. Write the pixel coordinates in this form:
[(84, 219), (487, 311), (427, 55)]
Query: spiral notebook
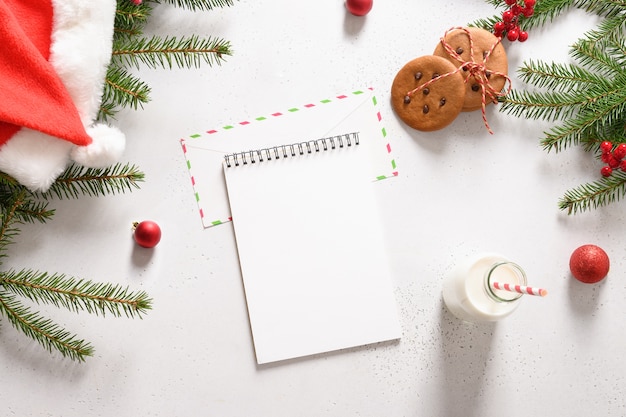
[(311, 247)]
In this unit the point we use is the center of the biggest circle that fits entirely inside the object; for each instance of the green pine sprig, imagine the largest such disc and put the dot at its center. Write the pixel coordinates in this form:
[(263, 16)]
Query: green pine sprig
[(18, 207), (122, 89), (197, 5), (78, 181), (168, 52), (50, 335), (76, 294), (595, 194), (130, 18)]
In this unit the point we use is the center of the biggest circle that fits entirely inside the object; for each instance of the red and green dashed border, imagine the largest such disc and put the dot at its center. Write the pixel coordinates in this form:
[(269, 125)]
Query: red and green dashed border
[(383, 133)]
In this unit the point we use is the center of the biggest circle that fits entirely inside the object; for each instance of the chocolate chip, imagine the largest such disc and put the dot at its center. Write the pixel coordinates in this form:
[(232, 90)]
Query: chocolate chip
[(418, 76), (488, 74), (425, 109), (426, 90), (407, 99), (475, 87), (485, 55), (459, 50), (442, 102), (465, 68), (435, 75)]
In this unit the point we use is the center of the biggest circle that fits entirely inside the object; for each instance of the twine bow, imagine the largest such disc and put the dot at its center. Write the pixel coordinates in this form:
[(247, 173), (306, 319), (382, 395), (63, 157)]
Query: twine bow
[(476, 69)]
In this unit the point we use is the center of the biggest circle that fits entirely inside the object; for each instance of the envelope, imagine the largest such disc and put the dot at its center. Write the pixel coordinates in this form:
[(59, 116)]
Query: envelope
[(356, 111)]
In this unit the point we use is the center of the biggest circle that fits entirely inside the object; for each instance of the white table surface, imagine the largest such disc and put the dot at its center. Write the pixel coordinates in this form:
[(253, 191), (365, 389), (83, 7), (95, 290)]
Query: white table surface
[(460, 191)]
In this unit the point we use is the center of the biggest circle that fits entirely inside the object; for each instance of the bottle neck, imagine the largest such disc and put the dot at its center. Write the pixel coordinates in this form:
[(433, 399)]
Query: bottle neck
[(504, 273)]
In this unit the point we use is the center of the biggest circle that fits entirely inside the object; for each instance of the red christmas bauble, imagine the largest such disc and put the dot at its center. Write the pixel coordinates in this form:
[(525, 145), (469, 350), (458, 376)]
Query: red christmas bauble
[(147, 233), (589, 264), (359, 7)]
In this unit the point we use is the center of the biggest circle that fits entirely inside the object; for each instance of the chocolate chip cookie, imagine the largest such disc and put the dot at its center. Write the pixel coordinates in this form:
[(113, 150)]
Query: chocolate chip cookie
[(488, 60), (428, 93)]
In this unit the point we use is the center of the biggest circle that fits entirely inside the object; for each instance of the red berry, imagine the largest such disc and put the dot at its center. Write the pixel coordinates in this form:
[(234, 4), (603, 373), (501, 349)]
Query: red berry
[(512, 35), (589, 264), (606, 146), (613, 161), (529, 3), (499, 27), (147, 233), (510, 2), (523, 36), (359, 7), (516, 10), (620, 151), (622, 165), (605, 157), (507, 16), (606, 171)]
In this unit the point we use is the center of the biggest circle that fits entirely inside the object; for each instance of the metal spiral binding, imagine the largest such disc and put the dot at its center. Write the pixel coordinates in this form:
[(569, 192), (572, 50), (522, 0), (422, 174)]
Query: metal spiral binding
[(292, 150)]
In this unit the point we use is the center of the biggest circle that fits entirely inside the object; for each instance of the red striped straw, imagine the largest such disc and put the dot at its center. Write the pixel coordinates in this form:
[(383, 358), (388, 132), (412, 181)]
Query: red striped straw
[(521, 289)]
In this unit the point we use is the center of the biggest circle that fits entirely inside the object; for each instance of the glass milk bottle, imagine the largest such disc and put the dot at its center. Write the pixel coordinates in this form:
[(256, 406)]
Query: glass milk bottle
[(468, 291)]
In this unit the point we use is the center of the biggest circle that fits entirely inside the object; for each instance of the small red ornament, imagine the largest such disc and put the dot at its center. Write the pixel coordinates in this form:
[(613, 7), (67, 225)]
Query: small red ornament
[(589, 264), (147, 233), (359, 7)]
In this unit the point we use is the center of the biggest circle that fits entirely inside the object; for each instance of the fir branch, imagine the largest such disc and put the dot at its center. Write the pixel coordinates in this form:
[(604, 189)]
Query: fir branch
[(606, 8), (559, 77), (610, 29), (197, 5), (9, 216), (595, 194), (76, 294), (605, 59), (77, 180), (551, 105), (123, 89), (130, 18), (8, 181), (107, 111), (595, 120), (156, 52), (18, 206), (49, 334)]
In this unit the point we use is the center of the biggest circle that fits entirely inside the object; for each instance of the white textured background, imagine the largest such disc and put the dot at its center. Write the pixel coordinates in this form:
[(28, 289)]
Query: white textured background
[(460, 191)]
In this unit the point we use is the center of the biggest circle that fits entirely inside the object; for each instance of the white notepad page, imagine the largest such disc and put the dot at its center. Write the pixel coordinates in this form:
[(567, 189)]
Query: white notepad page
[(311, 251)]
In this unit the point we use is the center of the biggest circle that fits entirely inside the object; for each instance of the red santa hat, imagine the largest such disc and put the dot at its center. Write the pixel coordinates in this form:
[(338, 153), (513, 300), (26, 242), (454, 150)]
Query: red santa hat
[(53, 63)]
